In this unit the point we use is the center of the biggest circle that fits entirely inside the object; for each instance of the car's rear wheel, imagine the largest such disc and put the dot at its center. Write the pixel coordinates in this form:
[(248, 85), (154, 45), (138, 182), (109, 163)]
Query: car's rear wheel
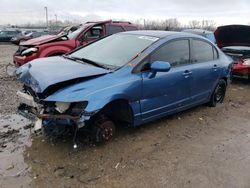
[(218, 93)]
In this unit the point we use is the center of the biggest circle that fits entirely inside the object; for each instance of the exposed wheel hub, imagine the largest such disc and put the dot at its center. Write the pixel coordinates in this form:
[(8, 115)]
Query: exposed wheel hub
[(107, 130)]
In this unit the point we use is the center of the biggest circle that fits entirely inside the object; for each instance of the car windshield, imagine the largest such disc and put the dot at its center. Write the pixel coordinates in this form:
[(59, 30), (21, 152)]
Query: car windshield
[(115, 50)]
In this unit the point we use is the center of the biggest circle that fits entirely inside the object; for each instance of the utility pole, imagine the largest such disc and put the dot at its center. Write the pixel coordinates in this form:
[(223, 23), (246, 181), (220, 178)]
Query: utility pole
[(46, 13), (56, 18)]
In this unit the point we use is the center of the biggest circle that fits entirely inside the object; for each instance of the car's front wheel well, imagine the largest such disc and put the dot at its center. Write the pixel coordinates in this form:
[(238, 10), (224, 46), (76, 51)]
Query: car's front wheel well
[(118, 111), (56, 54)]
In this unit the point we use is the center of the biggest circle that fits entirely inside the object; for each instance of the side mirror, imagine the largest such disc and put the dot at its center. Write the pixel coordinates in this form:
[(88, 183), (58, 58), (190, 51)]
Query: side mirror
[(159, 66)]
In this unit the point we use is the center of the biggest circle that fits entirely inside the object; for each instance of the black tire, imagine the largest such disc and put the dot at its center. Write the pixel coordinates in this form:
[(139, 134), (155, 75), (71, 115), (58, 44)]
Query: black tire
[(218, 93)]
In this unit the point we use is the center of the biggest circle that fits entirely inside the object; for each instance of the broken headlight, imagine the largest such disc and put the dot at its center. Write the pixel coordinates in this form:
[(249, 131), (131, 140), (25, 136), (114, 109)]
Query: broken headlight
[(62, 106), (74, 109), (77, 108), (29, 51)]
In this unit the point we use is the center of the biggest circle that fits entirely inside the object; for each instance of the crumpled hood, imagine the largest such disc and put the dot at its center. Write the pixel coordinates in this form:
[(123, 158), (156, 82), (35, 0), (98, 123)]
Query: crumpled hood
[(41, 73), (40, 40), (233, 35)]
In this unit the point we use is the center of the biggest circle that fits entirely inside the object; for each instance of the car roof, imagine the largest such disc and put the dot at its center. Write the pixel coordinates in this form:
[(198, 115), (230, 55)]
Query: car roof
[(161, 34), (198, 31)]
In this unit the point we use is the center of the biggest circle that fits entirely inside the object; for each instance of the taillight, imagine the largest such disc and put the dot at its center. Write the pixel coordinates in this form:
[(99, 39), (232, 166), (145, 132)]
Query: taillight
[(246, 62)]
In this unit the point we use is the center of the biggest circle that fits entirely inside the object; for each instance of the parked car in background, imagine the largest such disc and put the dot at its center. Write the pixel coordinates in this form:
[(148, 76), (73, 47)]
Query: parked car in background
[(61, 44), (234, 40), (207, 34), (128, 78), (21, 38), (6, 35)]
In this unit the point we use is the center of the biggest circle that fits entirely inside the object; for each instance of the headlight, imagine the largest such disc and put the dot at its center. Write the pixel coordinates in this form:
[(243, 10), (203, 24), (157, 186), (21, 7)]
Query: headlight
[(62, 106), (29, 51), (246, 62), (77, 108)]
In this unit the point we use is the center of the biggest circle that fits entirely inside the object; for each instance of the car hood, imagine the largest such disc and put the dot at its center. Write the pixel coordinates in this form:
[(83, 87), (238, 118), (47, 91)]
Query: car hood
[(42, 73), (40, 40), (233, 35)]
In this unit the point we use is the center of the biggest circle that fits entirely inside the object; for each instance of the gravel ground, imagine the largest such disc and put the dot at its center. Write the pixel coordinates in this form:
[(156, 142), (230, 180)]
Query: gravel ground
[(9, 85), (201, 147)]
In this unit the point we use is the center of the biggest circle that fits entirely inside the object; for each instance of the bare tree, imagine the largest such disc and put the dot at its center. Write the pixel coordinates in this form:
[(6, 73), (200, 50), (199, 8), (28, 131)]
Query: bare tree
[(208, 24), (194, 24), (168, 24), (172, 24)]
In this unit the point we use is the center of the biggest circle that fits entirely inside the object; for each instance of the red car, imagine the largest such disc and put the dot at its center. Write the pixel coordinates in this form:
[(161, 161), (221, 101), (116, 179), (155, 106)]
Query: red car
[(234, 40), (54, 45)]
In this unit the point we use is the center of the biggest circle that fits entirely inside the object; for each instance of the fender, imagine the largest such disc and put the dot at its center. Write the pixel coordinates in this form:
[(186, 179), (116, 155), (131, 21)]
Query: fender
[(99, 103), (48, 51)]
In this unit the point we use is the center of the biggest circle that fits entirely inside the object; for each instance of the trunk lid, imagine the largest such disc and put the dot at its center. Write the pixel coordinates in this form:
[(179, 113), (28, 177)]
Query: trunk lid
[(233, 35)]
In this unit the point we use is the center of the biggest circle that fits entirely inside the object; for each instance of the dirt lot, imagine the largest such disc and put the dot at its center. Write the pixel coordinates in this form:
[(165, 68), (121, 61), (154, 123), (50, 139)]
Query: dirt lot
[(201, 147)]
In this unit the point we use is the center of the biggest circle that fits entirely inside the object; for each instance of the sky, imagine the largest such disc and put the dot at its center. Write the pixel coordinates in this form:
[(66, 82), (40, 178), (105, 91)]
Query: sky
[(223, 12)]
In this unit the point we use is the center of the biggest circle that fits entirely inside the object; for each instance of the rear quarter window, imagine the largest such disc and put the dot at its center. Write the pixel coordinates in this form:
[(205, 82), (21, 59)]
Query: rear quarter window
[(202, 51)]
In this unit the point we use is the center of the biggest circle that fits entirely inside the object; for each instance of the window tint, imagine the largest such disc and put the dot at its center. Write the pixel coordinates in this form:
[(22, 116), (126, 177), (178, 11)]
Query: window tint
[(112, 29), (202, 51), (130, 28), (176, 53)]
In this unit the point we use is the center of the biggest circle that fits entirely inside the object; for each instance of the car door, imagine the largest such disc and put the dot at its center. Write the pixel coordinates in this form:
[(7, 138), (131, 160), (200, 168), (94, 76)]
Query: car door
[(205, 70), (167, 91)]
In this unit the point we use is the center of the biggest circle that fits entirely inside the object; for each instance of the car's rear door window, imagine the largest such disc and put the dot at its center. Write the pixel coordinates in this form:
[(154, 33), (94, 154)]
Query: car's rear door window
[(202, 51), (177, 53)]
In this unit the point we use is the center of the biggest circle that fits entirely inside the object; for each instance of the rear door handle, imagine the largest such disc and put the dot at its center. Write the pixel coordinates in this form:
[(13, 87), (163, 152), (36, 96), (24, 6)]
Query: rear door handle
[(187, 73), (215, 67)]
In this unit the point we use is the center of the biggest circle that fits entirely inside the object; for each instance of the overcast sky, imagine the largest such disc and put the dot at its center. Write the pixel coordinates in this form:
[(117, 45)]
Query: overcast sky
[(222, 11)]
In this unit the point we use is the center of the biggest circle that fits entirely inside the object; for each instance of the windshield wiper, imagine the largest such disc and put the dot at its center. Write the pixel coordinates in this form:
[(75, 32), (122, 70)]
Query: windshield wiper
[(85, 60)]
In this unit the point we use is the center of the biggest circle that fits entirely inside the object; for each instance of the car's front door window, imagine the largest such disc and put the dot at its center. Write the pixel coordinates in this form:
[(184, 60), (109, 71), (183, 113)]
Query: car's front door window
[(93, 33), (176, 53)]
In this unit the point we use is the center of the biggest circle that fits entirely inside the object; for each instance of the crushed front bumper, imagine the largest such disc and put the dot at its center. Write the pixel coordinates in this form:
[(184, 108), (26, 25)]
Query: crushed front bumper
[(30, 109), (21, 60)]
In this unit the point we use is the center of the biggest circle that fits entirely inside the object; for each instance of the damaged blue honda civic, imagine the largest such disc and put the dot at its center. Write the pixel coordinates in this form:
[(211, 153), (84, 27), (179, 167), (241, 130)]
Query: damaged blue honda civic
[(129, 78)]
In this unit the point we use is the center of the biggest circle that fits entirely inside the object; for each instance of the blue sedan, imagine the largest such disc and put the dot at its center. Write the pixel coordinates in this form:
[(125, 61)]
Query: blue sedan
[(129, 78)]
